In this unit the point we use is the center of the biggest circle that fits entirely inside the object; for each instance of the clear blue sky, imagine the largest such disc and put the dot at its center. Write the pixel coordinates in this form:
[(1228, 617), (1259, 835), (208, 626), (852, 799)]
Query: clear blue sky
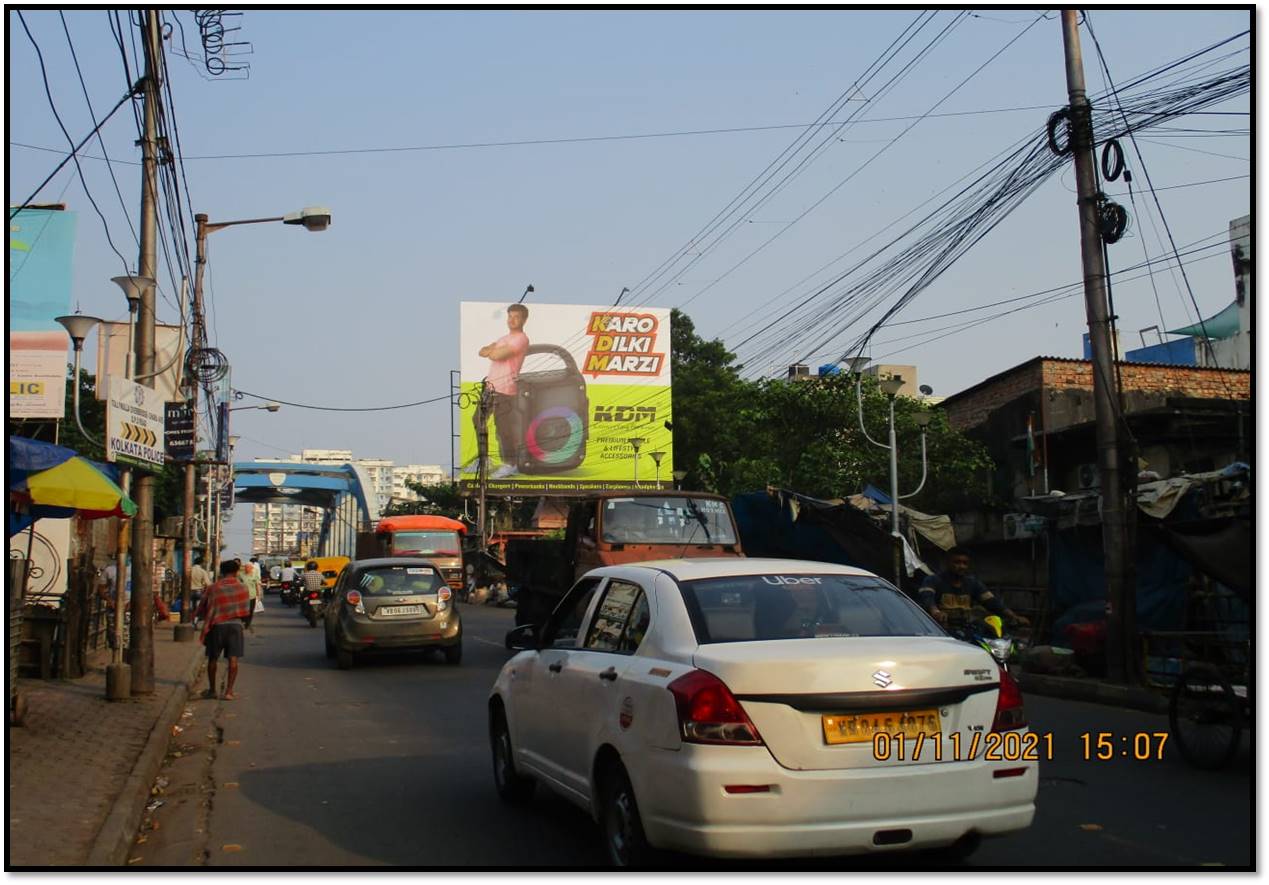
[(366, 313)]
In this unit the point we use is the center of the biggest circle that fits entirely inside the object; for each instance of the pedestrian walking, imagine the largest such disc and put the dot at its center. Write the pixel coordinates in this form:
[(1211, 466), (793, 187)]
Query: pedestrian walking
[(199, 578), (249, 574), (222, 610)]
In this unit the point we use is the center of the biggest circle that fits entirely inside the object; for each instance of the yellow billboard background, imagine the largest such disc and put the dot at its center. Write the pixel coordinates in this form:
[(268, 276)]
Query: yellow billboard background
[(594, 378)]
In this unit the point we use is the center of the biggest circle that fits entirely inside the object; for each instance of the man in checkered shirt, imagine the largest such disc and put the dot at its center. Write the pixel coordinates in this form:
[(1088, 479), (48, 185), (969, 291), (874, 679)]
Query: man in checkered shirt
[(223, 608)]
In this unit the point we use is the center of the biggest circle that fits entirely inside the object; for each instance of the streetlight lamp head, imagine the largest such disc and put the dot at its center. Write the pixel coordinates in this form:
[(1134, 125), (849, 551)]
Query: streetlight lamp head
[(656, 457), (892, 385), (313, 218), (233, 441), (680, 475), (922, 419), (132, 287), (78, 326), (272, 407), (855, 364), (637, 442)]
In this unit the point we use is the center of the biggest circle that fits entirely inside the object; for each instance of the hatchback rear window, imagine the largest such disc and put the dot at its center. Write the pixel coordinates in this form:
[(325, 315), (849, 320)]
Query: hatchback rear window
[(398, 580), (747, 608)]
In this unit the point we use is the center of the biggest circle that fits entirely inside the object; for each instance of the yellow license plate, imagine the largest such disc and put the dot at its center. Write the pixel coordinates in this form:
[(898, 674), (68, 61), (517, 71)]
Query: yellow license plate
[(858, 728)]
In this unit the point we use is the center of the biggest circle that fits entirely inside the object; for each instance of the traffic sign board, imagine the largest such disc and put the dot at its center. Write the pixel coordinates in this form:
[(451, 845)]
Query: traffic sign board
[(134, 424)]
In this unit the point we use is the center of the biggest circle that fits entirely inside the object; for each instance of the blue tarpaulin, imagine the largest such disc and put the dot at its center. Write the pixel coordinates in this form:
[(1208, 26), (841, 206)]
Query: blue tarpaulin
[(1077, 581)]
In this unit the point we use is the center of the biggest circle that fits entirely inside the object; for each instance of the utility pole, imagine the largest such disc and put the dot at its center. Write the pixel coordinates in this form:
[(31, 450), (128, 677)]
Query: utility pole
[(142, 631), (482, 459), (1120, 597), (187, 508)]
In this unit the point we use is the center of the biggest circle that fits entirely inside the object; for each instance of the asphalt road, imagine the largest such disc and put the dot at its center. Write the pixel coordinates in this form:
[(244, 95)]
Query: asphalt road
[(388, 764)]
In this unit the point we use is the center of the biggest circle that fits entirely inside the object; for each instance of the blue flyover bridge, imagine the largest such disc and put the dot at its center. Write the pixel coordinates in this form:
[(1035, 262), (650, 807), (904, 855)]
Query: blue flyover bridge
[(343, 491)]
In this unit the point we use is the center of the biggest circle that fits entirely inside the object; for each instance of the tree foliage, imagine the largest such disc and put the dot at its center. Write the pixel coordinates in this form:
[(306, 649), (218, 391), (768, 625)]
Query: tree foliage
[(734, 435)]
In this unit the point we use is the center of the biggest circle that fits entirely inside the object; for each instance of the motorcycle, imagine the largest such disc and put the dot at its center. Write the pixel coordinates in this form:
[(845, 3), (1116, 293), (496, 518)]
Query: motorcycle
[(312, 606), (989, 634), (289, 593)]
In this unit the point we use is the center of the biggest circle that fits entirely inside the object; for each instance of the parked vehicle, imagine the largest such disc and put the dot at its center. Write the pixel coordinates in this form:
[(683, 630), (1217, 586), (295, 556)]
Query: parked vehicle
[(759, 708), (392, 604), (614, 528), (437, 538)]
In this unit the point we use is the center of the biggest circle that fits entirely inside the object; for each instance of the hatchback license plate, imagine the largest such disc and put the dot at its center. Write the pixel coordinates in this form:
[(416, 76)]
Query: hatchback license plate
[(399, 610), (858, 728)]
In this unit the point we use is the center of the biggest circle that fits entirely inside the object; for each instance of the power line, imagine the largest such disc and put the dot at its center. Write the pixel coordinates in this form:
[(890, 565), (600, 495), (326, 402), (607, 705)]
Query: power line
[(48, 92), (422, 402)]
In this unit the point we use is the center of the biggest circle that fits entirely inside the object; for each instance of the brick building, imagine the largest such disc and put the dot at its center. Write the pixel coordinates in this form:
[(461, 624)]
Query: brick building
[(1185, 419)]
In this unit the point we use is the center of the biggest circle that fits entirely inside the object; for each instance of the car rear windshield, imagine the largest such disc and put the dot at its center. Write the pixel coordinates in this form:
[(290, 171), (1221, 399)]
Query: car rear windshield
[(745, 608), (398, 580)]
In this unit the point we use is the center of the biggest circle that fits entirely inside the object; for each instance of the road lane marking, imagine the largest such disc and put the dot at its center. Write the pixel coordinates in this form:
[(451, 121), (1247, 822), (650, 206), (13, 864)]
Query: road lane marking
[(488, 641)]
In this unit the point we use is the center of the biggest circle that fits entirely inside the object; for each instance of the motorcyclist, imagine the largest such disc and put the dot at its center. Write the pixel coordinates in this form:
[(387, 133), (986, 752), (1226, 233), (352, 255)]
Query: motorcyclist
[(951, 595)]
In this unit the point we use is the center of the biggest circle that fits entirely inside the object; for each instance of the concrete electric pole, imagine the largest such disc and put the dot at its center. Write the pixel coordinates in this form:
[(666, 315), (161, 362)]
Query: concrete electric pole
[(1119, 596), (142, 629)]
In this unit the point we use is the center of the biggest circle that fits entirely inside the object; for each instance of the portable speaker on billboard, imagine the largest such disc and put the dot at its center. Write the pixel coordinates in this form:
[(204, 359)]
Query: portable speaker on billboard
[(554, 415)]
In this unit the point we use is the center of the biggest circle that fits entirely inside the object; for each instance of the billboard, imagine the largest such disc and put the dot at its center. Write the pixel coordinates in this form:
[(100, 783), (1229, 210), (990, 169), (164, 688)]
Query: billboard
[(41, 244), (568, 388)]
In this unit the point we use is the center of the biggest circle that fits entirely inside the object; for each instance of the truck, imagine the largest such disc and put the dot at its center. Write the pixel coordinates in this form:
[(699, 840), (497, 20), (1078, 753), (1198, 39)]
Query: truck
[(437, 538), (611, 528)]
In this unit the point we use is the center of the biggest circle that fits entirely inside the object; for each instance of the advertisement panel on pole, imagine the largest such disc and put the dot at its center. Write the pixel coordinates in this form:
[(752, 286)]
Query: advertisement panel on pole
[(179, 433), (41, 245), (134, 425), (578, 397)]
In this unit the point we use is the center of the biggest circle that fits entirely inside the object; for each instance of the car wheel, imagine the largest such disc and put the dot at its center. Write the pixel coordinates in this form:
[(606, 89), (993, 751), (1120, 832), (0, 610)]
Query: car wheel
[(512, 786), (453, 654), (344, 659), (960, 850), (624, 839), (330, 646)]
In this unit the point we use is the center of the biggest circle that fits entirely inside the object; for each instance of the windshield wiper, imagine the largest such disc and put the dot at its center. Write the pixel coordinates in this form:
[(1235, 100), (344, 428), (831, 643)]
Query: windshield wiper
[(700, 517)]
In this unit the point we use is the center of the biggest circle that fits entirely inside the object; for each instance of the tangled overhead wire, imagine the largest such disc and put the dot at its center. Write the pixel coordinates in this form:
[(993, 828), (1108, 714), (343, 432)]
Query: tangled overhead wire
[(207, 364), (915, 257), (217, 52)]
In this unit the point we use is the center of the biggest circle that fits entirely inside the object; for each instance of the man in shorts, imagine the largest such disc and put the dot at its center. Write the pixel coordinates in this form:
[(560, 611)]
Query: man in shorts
[(222, 610)]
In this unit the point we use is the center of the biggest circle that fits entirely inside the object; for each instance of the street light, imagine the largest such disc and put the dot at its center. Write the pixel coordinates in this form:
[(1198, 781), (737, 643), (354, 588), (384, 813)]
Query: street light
[(679, 476), (891, 387), (78, 326), (268, 407), (636, 442), (656, 457), (132, 287)]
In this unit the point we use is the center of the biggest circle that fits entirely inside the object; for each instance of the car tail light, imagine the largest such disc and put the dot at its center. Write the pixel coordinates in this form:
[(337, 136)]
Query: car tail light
[(354, 599), (709, 713), (444, 595), (1009, 711)]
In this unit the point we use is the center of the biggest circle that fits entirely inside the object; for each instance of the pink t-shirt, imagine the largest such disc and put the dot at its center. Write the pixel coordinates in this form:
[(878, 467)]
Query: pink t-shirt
[(503, 373)]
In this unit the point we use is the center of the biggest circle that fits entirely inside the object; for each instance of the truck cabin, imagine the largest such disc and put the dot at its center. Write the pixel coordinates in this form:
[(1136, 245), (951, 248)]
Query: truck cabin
[(437, 538), (651, 525)]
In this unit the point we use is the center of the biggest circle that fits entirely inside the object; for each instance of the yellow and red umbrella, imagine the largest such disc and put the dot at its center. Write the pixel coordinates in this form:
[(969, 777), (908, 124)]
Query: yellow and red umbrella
[(51, 482)]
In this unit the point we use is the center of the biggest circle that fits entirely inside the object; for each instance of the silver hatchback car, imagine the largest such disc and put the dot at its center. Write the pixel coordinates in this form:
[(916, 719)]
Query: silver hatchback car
[(394, 604)]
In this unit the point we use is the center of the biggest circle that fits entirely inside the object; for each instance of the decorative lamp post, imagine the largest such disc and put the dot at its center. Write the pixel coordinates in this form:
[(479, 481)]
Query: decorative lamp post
[(656, 459), (636, 443)]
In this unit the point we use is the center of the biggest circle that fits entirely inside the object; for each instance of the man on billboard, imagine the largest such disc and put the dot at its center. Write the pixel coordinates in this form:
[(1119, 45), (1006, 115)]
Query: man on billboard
[(506, 356)]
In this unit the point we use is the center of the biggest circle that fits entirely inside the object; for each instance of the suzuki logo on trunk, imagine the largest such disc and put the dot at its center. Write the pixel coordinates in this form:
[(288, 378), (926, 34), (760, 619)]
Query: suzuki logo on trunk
[(881, 679)]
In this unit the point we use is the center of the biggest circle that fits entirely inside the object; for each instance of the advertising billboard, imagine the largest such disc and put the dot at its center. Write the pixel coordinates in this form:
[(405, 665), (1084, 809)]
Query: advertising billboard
[(577, 397), (41, 244)]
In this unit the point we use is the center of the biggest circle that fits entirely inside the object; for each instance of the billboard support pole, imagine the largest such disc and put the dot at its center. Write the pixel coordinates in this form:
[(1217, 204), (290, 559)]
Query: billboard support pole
[(482, 459)]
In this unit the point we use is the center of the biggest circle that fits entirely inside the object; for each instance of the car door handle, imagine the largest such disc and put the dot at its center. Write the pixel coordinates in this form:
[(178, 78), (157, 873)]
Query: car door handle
[(609, 675), (556, 667)]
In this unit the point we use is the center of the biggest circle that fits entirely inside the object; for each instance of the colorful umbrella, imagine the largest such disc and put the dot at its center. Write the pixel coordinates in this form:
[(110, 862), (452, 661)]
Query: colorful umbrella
[(53, 482)]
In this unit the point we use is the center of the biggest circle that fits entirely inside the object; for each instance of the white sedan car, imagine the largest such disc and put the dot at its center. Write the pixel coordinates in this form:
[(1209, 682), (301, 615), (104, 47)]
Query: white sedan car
[(761, 707)]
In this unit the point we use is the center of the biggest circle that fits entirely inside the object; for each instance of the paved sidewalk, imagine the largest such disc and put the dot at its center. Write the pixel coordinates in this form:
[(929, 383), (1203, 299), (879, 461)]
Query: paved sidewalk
[(80, 767)]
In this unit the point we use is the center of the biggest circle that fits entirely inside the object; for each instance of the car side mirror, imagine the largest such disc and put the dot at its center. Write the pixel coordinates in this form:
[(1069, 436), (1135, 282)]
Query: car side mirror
[(523, 638)]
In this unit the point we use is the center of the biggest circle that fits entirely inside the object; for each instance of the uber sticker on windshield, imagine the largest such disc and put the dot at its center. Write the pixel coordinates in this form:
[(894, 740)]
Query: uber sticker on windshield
[(418, 571)]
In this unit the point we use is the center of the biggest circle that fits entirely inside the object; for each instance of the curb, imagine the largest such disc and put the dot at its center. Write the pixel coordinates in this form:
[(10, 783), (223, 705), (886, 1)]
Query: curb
[(1129, 697), (114, 840)]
